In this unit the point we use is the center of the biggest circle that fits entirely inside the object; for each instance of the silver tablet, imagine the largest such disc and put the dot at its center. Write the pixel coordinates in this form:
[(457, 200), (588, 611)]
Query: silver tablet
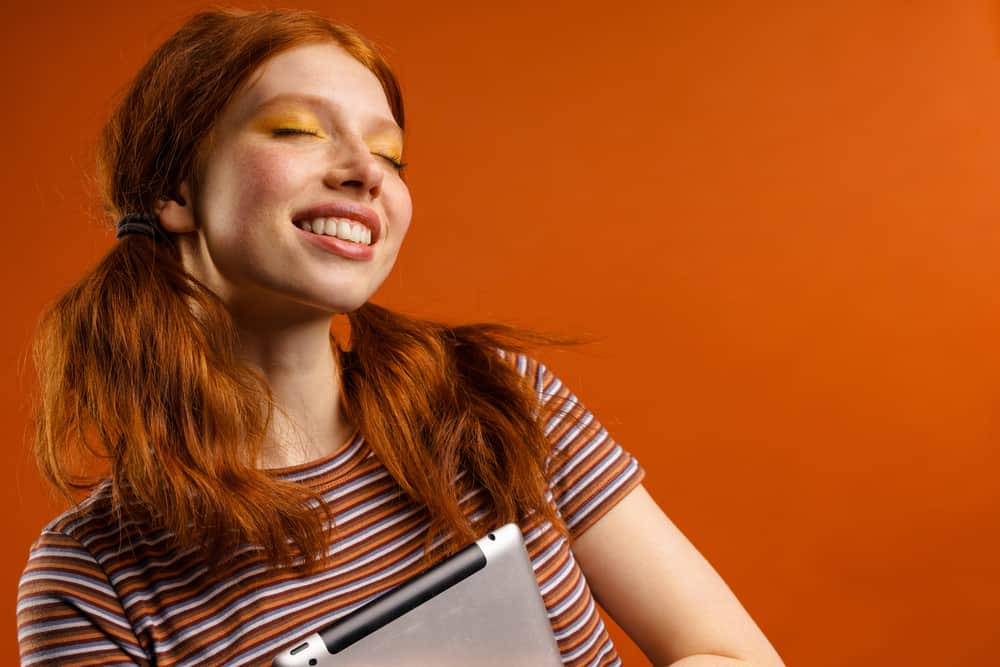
[(480, 606)]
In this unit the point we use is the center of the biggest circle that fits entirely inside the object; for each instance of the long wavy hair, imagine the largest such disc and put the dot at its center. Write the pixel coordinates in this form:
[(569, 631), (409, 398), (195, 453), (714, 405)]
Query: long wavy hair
[(137, 362)]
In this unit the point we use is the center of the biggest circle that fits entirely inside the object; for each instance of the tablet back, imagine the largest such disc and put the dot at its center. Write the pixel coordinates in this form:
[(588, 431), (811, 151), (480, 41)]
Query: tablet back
[(480, 606)]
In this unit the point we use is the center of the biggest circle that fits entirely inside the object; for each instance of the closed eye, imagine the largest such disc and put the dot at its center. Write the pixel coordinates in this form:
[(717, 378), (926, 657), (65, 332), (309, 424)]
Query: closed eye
[(395, 162), (286, 131)]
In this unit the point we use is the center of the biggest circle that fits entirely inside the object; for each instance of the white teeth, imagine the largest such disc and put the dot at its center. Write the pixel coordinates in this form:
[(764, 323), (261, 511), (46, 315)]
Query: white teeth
[(344, 230), (341, 228)]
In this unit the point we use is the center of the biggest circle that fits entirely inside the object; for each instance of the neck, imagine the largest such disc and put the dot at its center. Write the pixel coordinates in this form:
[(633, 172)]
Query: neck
[(299, 364)]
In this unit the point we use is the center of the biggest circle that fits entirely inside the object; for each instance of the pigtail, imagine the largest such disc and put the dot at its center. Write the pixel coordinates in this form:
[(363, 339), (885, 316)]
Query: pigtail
[(136, 365), (433, 400)]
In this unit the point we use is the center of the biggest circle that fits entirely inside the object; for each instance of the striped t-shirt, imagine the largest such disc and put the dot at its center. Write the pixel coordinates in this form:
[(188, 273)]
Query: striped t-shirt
[(97, 591)]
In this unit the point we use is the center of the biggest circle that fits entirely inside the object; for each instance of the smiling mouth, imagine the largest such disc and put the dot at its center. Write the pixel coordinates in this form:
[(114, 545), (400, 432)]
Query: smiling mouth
[(341, 228)]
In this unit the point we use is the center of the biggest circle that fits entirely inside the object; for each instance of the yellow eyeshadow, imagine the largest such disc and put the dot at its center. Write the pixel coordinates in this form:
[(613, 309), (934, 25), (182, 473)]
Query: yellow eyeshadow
[(290, 120), (303, 121), (386, 144), (389, 151)]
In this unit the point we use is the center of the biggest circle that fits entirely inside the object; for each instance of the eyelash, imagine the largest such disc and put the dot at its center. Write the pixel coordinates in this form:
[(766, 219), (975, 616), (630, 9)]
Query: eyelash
[(396, 164), (291, 131), (286, 131)]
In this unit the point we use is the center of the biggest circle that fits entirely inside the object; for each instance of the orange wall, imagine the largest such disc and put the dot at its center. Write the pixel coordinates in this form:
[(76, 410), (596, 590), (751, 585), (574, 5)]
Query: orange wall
[(783, 222)]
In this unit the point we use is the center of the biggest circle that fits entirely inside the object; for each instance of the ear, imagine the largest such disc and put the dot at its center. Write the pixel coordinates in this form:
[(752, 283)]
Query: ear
[(176, 214)]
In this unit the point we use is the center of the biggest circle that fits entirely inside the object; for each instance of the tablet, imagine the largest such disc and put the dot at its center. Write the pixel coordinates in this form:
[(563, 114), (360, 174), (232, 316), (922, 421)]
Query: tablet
[(480, 606)]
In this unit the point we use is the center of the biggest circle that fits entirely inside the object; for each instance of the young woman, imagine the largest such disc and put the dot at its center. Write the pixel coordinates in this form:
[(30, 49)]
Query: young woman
[(265, 478)]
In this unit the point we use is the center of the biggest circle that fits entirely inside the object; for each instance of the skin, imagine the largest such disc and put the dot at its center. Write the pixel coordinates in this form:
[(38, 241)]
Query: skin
[(237, 237)]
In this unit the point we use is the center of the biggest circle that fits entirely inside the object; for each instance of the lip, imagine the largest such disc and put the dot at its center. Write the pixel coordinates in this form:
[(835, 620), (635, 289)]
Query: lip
[(332, 244), (344, 209)]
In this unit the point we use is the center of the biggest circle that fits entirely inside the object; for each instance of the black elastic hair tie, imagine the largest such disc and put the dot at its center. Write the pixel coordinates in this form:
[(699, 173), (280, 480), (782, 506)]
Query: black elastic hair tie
[(145, 224)]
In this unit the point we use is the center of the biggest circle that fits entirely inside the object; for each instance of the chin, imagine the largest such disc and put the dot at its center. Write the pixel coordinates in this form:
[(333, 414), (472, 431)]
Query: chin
[(336, 297), (342, 305)]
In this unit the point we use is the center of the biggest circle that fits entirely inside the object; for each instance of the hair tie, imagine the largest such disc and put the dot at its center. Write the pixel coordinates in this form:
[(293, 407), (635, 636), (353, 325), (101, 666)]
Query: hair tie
[(145, 224)]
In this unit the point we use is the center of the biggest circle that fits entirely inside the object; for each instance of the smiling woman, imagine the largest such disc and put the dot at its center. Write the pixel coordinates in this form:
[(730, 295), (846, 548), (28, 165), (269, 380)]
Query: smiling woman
[(265, 478)]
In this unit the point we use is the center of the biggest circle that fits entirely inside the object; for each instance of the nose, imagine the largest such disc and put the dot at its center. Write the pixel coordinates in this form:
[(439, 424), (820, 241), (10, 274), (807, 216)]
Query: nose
[(353, 167)]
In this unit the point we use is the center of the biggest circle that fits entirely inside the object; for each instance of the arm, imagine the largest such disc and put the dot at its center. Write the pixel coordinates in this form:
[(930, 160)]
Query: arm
[(663, 593)]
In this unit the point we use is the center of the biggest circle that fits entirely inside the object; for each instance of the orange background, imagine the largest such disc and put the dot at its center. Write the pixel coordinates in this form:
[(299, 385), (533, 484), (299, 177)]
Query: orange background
[(780, 220)]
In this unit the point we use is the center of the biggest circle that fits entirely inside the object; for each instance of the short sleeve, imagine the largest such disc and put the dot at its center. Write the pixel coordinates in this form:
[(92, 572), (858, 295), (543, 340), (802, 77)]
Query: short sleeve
[(589, 472), (67, 611)]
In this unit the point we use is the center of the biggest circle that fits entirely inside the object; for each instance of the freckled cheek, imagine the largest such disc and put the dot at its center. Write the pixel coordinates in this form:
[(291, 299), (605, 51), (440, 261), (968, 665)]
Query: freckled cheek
[(246, 191), (264, 176)]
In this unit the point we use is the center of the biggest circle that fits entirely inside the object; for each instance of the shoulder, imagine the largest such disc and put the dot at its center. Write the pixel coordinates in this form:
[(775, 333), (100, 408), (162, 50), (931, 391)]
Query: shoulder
[(63, 556), (93, 530), (563, 417), (94, 513), (61, 561), (534, 372)]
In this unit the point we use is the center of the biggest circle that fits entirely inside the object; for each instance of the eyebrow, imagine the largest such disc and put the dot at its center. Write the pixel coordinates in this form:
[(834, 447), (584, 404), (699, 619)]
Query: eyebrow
[(380, 123)]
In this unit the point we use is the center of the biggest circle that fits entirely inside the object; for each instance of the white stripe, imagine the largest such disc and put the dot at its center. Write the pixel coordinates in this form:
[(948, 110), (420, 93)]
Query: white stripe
[(46, 626), (587, 644), (597, 471), (78, 580), (572, 598), (70, 600), (613, 486), (544, 557), (582, 620), (60, 553), (75, 650), (608, 647), (329, 466), (570, 436)]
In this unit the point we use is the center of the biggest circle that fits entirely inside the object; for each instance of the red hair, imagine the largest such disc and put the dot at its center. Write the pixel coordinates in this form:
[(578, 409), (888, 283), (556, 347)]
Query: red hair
[(137, 362)]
